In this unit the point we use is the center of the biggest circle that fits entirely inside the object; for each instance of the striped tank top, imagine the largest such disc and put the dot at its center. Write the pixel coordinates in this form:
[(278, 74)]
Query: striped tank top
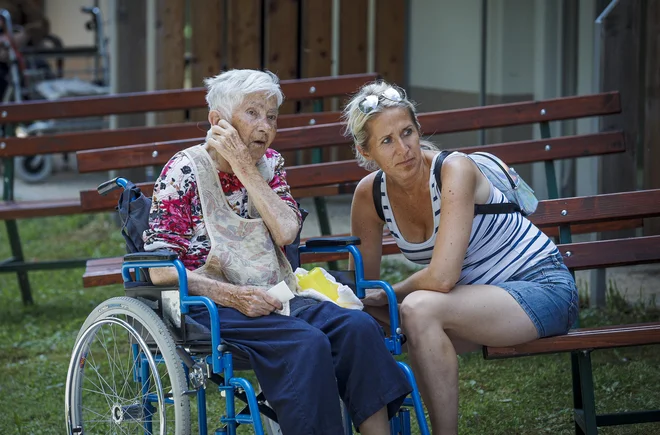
[(500, 246)]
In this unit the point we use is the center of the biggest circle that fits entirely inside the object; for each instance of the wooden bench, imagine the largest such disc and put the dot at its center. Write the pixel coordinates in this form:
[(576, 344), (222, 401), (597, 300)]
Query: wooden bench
[(13, 114), (560, 218), (341, 177), (567, 214)]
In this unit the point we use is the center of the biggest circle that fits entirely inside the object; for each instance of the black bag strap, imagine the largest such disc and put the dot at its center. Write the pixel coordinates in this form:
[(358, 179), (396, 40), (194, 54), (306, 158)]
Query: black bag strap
[(378, 197), (503, 208)]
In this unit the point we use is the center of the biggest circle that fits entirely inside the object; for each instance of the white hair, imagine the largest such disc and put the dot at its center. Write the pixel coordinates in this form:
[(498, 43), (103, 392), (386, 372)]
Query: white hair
[(227, 90), (356, 120)]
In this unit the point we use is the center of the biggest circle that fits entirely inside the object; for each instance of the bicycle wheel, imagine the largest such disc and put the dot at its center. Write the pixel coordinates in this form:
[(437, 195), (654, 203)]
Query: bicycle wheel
[(125, 376)]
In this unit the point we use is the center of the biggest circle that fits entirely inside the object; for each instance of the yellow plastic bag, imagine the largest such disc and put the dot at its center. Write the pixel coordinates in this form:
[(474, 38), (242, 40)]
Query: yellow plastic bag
[(320, 285)]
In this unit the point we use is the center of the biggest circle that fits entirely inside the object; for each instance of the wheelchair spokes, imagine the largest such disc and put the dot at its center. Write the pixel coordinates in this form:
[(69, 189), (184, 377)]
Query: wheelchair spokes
[(125, 376)]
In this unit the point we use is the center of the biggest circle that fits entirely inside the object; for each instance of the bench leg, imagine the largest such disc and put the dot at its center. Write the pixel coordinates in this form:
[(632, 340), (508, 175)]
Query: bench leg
[(12, 228), (583, 394), (17, 254)]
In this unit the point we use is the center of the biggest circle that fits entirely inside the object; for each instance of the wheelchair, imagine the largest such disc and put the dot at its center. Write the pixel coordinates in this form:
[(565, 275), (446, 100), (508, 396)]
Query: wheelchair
[(138, 360)]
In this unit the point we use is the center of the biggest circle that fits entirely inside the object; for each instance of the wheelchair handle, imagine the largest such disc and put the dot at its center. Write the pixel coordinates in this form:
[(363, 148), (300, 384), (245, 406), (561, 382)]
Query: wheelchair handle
[(110, 185), (93, 10), (9, 29)]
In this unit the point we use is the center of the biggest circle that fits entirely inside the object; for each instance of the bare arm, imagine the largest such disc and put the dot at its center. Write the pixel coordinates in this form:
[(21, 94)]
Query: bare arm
[(281, 220), (459, 185), (279, 217), (366, 225), (251, 301)]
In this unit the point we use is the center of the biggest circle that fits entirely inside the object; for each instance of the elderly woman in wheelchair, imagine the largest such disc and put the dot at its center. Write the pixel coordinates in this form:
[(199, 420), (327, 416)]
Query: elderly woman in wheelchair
[(223, 214)]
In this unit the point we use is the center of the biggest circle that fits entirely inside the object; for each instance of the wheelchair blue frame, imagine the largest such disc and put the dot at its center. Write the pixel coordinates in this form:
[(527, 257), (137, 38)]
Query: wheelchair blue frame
[(221, 361)]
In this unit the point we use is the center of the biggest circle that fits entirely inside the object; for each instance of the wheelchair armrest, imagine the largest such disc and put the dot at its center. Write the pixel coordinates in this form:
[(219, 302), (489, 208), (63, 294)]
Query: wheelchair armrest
[(327, 242), (151, 256)]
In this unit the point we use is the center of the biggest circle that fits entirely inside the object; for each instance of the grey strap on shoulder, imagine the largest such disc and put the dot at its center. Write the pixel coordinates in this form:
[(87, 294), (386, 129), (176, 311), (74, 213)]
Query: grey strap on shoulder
[(504, 208)]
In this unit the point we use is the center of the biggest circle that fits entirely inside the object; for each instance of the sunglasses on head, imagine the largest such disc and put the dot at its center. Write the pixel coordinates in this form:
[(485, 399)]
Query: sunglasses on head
[(370, 103)]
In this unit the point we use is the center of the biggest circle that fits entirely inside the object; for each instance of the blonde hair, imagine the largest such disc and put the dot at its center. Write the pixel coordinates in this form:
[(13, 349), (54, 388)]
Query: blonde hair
[(356, 120), (227, 90)]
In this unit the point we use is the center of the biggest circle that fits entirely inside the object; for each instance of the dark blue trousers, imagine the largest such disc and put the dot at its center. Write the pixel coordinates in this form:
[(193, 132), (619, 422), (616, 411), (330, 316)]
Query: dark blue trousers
[(307, 362)]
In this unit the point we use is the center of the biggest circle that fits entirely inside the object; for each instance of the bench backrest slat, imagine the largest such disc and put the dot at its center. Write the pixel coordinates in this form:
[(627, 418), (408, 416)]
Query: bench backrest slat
[(590, 209), (534, 151), (138, 102), (611, 253), (436, 122), (91, 140), (506, 115)]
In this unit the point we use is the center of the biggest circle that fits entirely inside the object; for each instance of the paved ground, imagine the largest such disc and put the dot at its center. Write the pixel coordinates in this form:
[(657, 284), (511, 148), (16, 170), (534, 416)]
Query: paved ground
[(634, 282)]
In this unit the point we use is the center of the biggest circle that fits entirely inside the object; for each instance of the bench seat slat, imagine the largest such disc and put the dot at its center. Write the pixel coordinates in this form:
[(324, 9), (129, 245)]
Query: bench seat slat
[(33, 209), (582, 339), (587, 255)]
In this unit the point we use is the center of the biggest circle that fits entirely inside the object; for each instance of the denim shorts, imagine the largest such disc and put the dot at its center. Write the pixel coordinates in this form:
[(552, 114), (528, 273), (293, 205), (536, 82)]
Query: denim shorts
[(548, 294)]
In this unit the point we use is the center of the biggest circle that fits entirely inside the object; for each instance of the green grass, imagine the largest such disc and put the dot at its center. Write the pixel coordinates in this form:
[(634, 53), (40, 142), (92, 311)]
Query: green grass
[(518, 396)]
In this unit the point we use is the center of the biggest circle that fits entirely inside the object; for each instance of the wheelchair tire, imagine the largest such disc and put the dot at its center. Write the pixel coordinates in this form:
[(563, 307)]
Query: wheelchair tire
[(102, 393), (33, 169)]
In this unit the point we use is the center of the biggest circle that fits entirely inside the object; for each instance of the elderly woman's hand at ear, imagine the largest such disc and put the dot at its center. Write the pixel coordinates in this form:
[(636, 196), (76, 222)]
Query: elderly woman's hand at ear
[(225, 140)]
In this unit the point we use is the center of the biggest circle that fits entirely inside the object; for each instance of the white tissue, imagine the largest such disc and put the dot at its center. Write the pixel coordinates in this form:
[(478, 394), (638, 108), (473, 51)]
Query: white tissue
[(281, 292)]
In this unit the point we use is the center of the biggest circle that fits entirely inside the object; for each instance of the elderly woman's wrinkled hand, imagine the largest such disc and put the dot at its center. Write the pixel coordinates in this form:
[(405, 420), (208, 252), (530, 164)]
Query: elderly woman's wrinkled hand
[(225, 140), (255, 302)]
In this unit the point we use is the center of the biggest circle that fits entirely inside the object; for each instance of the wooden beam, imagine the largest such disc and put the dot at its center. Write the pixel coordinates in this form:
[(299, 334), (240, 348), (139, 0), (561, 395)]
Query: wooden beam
[(131, 60), (281, 47), (652, 108), (353, 36), (316, 52), (131, 64), (170, 57), (621, 56), (244, 22), (281, 26), (391, 39), (207, 24), (316, 58)]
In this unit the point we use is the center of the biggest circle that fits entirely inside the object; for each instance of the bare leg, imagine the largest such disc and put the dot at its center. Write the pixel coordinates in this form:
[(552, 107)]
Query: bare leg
[(382, 316), (377, 424), (481, 314)]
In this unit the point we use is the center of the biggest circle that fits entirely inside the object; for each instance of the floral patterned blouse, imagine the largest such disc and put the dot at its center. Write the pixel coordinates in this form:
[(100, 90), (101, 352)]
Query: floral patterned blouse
[(176, 221)]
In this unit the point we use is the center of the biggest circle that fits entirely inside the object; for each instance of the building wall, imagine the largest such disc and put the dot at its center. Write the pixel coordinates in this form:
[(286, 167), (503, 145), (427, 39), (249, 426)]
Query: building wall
[(445, 59), (68, 23), (524, 62)]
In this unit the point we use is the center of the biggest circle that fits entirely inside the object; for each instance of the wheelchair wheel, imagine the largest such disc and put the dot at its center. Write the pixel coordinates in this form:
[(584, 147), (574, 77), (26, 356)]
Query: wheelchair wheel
[(34, 169), (125, 375)]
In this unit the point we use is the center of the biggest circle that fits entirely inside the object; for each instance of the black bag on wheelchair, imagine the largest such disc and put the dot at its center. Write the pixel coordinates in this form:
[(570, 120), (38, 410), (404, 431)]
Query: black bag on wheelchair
[(133, 208)]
